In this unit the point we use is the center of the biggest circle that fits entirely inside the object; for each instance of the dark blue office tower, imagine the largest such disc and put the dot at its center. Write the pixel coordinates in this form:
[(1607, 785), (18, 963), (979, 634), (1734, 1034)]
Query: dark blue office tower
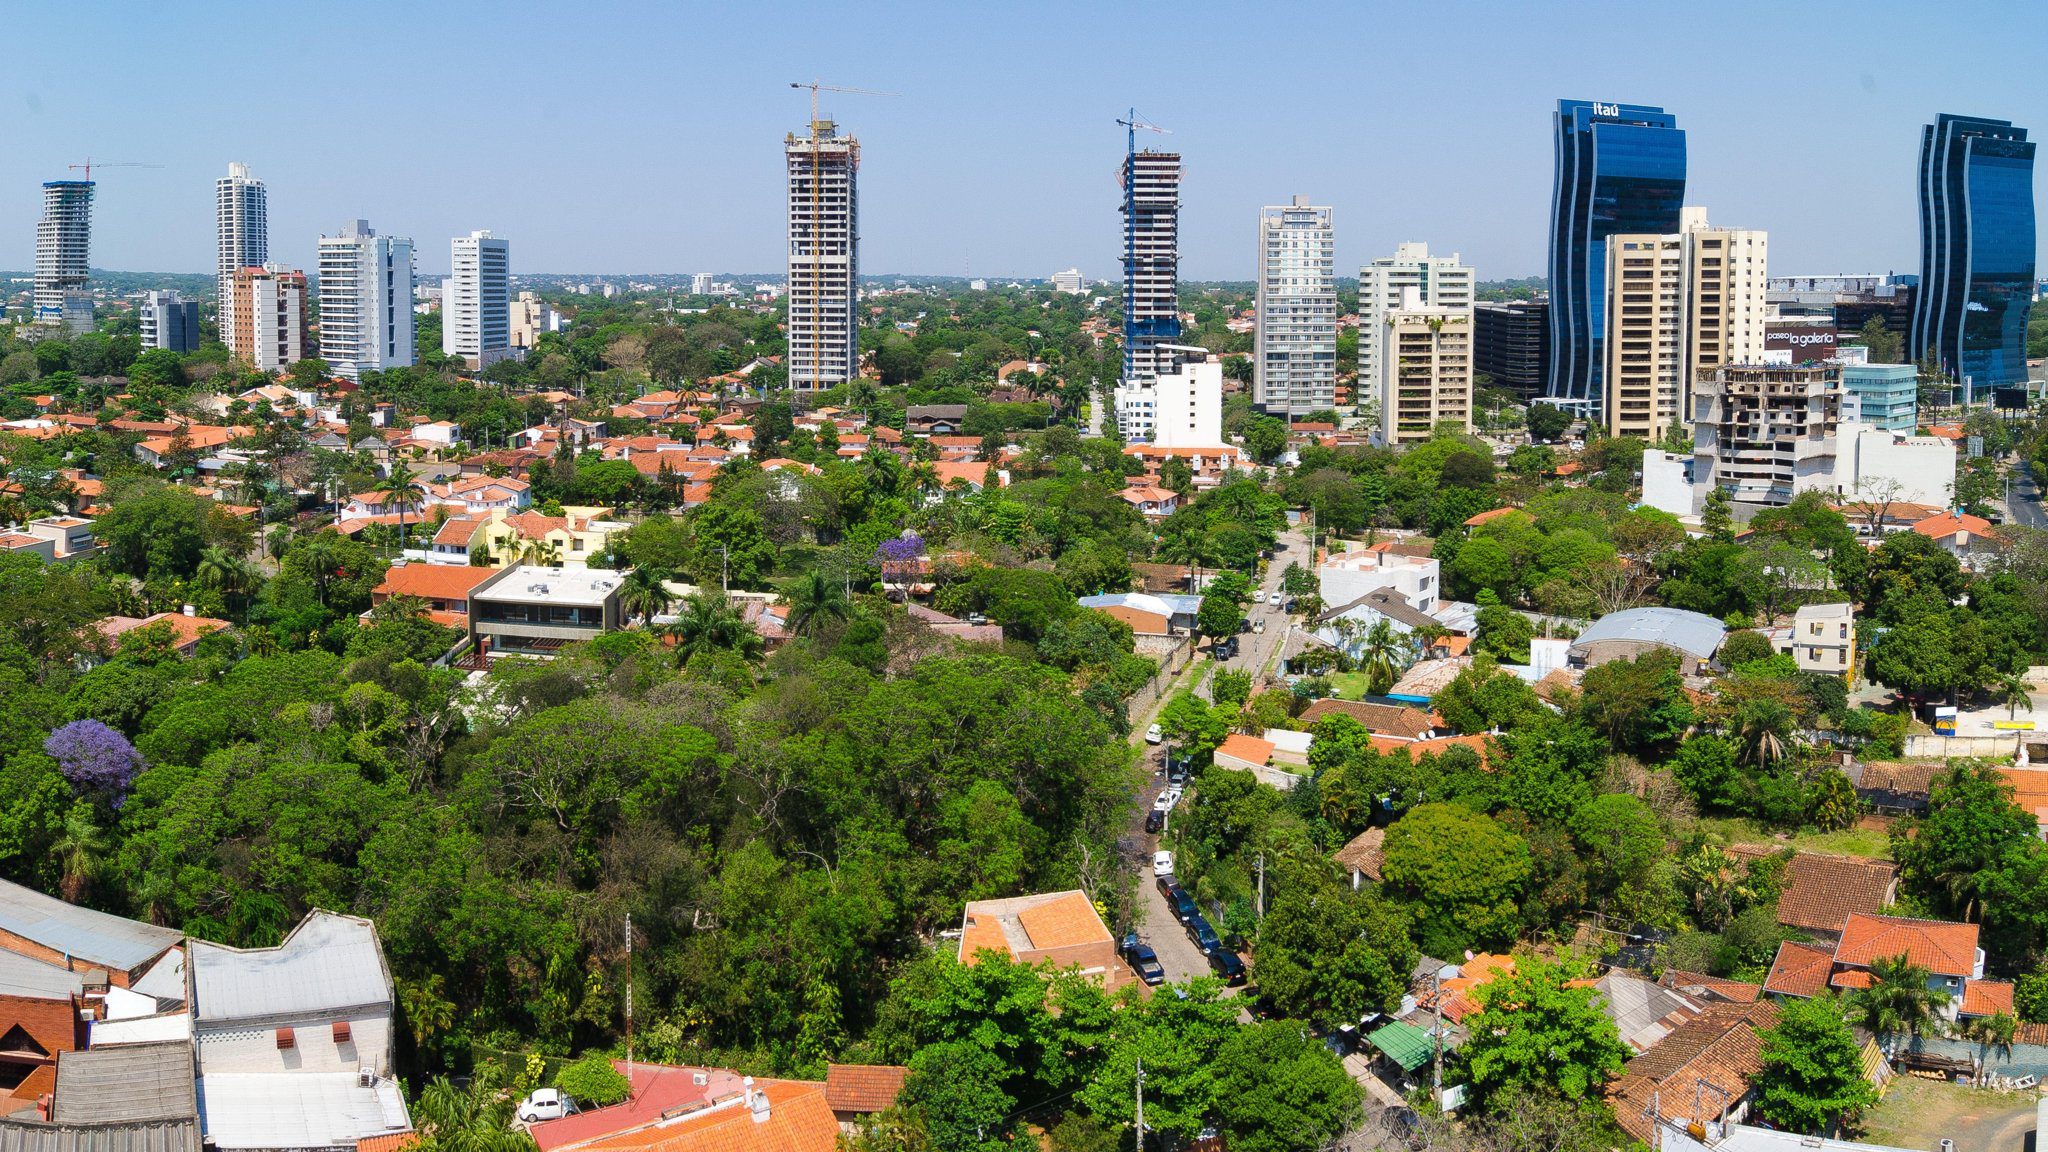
[(1976, 249), (1620, 168)]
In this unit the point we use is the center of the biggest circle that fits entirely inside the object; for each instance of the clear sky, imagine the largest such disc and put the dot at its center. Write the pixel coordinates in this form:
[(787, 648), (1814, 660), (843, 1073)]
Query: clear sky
[(619, 137)]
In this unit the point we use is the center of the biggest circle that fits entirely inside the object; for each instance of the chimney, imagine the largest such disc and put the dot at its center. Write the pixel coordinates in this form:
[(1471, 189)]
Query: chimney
[(191, 611), (760, 1106)]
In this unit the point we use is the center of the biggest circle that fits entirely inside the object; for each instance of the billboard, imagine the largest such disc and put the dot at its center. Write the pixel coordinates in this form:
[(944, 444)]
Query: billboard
[(1799, 343)]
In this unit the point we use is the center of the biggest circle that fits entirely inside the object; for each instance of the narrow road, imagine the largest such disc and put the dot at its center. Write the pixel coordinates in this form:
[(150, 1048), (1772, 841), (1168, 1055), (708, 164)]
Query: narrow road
[(2024, 508)]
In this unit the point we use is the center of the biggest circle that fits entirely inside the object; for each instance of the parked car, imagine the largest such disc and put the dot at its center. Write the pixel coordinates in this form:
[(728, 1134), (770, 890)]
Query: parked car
[(1154, 734), (1199, 931), (546, 1104), (1177, 898), (1259, 626), (1162, 863), (1178, 768), (1155, 821), (1226, 964), (1142, 959)]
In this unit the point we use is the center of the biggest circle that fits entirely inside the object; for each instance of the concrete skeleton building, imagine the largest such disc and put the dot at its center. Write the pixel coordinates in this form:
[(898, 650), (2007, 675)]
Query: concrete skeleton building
[(63, 255), (476, 300), (824, 257), (1439, 282), (1765, 433), (1151, 209), (241, 210), (264, 320), (1425, 368), (1295, 362), (1679, 305), (169, 321), (366, 316)]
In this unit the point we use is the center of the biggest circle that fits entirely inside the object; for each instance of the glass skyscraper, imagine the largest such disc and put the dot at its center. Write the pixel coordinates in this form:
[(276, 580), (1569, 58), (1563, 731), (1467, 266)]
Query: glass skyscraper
[(1976, 249), (1620, 168)]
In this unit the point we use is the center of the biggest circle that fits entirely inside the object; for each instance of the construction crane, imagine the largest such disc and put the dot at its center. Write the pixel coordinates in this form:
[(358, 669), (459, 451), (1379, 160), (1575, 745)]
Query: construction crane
[(1132, 125), (817, 86), (89, 165)]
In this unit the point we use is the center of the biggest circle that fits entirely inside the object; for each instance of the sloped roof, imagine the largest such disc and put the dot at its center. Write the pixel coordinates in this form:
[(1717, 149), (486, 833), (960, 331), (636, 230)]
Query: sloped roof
[(1941, 947), (125, 1084), (656, 1089), (1800, 969), (1033, 923), (153, 1136), (26, 976), (1364, 853), (433, 581), (1379, 719), (1705, 1064), (1821, 891), (1698, 984), (797, 1119), (81, 933), (1247, 748), (1896, 776), (863, 1087), (1643, 1013), (267, 1110), (1404, 1044), (1984, 997), (329, 964), (1696, 634)]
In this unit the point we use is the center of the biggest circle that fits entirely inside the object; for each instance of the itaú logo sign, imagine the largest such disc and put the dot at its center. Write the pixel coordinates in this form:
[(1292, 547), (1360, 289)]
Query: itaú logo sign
[(1600, 109)]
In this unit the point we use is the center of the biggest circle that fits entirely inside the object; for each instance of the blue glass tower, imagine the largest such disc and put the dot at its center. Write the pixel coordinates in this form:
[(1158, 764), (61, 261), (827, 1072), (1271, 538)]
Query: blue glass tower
[(1620, 168), (1976, 249)]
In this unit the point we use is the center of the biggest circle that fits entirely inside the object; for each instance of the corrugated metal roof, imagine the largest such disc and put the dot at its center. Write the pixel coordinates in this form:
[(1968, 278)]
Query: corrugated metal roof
[(162, 1136), (329, 962), (297, 1109), (24, 976), (1404, 1044), (126, 1084), (1690, 632), (81, 933)]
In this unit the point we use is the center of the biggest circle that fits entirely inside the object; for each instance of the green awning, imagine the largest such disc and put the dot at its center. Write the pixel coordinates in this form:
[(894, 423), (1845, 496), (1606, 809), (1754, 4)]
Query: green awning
[(1404, 1044)]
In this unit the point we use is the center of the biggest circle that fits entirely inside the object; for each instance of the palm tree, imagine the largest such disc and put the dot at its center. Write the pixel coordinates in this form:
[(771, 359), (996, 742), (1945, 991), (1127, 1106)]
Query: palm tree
[(1384, 648), (404, 487), (709, 623), (1761, 728), (541, 553), (2012, 692), (815, 600), (473, 1119), (225, 572), (78, 845), (1899, 999), (320, 556), (1994, 1032), (644, 593)]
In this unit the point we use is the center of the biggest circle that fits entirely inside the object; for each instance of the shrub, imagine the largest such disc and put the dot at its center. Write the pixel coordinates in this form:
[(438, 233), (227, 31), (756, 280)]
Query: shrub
[(593, 1081)]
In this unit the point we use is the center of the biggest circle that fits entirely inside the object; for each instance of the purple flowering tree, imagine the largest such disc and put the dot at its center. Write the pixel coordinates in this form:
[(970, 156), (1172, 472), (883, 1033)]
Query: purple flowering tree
[(94, 756), (899, 556)]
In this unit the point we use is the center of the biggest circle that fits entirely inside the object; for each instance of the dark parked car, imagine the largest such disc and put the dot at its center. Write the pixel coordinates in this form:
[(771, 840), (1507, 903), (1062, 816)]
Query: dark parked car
[(1204, 936), (1155, 821), (1226, 964), (1183, 905), (1143, 960)]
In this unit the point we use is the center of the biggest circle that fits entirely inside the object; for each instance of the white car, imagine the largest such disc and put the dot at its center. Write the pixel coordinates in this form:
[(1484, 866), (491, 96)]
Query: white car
[(546, 1104), (1154, 734), (1162, 863)]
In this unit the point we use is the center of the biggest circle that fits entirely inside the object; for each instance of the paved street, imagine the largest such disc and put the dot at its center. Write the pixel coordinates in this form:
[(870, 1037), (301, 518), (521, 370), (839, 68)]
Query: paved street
[(1256, 651), (2024, 508)]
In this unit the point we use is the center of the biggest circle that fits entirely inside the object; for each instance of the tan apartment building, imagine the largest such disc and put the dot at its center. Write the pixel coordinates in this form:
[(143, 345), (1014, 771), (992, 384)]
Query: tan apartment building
[(1425, 371), (1678, 306)]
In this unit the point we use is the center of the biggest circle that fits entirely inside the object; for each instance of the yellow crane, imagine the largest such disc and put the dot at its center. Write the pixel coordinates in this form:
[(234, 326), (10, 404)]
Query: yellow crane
[(817, 86)]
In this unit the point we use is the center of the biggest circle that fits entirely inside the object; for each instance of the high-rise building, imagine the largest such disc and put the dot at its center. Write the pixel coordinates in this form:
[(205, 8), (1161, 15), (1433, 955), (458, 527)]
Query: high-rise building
[(1425, 368), (1294, 368), (1151, 209), (1511, 344), (476, 300), (700, 284), (264, 319), (824, 257), (63, 255), (169, 321), (1069, 282), (531, 316), (1976, 249), (1678, 306), (366, 317), (1885, 396), (241, 212), (1181, 407), (1620, 168), (1438, 281)]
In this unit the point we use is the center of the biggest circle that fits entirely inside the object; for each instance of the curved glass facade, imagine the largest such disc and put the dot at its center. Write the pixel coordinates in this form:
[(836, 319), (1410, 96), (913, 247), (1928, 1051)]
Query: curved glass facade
[(1976, 249), (1620, 168)]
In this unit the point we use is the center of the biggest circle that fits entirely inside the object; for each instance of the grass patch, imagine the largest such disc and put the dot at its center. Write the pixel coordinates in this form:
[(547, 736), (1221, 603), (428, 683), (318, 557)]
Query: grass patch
[(1847, 842), (1349, 685)]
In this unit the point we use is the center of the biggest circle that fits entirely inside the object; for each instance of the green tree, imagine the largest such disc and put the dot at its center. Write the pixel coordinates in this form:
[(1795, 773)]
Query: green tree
[(1950, 853), (1278, 1089), (1899, 999), (1639, 704), (1463, 874), (1540, 1029), (708, 624), (1885, 345), (1326, 953), (1812, 1076), (956, 1087), (1547, 422), (404, 488), (476, 1118), (815, 601), (593, 1082), (644, 593), (1219, 615), (1383, 656)]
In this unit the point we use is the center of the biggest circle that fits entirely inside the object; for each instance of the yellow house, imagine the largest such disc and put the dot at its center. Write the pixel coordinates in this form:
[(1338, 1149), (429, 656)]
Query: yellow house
[(1824, 640), (529, 537)]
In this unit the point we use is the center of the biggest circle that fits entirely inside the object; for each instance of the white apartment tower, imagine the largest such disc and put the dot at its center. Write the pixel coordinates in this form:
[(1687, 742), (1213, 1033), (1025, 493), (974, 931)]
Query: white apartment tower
[(1425, 367), (1679, 306), (1295, 365), (63, 255), (824, 257), (1181, 407), (1439, 282), (366, 317), (241, 212), (476, 300)]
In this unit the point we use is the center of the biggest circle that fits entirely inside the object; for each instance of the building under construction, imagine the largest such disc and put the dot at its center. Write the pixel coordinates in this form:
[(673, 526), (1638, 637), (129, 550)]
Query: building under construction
[(63, 264), (1151, 208), (824, 258)]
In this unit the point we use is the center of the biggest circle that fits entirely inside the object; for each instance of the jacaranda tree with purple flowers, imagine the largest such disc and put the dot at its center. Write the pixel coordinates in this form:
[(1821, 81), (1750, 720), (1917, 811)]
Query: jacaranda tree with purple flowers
[(897, 557), (95, 758)]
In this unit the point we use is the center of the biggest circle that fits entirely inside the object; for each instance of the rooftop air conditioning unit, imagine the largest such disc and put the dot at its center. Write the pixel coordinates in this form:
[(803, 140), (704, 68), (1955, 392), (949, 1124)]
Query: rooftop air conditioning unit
[(700, 1079), (366, 1077)]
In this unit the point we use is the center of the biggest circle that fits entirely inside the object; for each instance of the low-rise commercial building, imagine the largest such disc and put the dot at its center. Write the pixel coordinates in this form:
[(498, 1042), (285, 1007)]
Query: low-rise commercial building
[(1823, 640), (1884, 396)]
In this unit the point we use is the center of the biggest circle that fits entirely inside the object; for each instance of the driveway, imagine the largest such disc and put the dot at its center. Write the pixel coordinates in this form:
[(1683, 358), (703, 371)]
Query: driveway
[(2024, 507)]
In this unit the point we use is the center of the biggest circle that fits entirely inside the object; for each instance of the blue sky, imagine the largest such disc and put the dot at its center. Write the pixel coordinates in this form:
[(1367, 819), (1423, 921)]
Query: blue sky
[(622, 137)]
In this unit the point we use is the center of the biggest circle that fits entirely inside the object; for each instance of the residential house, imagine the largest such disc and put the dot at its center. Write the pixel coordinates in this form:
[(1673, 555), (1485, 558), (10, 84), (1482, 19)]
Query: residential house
[(437, 433), (760, 1116), (1363, 855), (1151, 501), (569, 539), (295, 1042), (1644, 1013), (1062, 929), (954, 627), (1347, 577), (1823, 639), (1819, 892), (481, 495), (43, 1014), (1348, 625), (1393, 721), (965, 475), (1158, 621), (183, 628), (526, 610), (934, 419), (857, 1091), (1968, 538), (1627, 634), (1698, 1074), (1893, 787), (445, 587), (1948, 951), (54, 538), (1209, 465)]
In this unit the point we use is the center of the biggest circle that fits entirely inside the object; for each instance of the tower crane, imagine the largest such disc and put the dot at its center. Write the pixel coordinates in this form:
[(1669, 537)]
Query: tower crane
[(89, 165), (817, 86)]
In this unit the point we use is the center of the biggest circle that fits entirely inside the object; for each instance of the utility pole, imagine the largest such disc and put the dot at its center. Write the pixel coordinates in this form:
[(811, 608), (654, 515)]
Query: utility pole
[(1262, 885), (725, 570), (1436, 1075), (629, 1001), (1141, 1104)]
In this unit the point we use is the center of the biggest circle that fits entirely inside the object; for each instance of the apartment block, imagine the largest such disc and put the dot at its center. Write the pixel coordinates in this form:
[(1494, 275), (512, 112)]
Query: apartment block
[(1679, 306), (366, 316), (824, 257), (1425, 369), (169, 321), (1294, 363), (1511, 344), (1438, 281), (1178, 408), (266, 319), (241, 209), (1151, 208), (63, 256)]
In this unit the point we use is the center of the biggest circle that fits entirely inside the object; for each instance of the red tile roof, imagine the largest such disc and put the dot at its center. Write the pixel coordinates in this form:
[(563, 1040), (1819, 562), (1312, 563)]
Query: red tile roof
[(796, 1119), (1800, 969), (1704, 1064), (657, 1088), (1949, 523), (433, 581), (1984, 997), (863, 1087), (1941, 947), (1247, 748), (1820, 892)]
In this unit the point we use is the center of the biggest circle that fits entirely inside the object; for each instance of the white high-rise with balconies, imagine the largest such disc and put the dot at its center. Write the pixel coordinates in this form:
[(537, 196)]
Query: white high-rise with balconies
[(366, 317), (476, 300), (824, 257), (63, 256), (241, 212), (1295, 365), (1440, 282)]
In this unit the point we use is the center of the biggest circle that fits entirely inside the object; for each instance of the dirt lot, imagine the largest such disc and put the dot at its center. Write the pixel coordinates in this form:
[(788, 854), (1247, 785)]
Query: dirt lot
[(1920, 1113)]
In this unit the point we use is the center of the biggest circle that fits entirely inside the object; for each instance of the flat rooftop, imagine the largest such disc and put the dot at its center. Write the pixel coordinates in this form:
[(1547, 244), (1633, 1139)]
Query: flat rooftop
[(532, 584)]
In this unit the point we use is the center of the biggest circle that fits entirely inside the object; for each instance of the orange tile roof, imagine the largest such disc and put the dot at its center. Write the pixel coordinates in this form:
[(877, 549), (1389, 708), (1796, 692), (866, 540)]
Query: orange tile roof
[(185, 630), (1416, 749), (1985, 997), (1851, 978), (391, 1142), (1800, 969), (863, 1087), (1820, 891), (1489, 516), (1705, 1064), (1735, 991), (798, 1120), (1949, 523), (1063, 922), (1941, 947), (1247, 748), (656, 1088), (432, 581), (1474, 974)]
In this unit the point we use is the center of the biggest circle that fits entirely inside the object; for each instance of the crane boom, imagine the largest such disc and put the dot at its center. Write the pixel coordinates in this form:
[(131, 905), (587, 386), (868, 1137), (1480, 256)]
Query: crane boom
[(90, 164), (817, 86)]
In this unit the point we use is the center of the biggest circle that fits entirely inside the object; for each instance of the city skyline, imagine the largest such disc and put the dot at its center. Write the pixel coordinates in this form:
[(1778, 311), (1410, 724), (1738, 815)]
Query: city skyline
[(676, 117)]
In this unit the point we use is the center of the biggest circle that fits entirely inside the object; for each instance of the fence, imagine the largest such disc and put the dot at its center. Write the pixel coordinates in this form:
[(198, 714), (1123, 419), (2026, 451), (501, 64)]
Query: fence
[(1942, 747), (1170, 667)]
